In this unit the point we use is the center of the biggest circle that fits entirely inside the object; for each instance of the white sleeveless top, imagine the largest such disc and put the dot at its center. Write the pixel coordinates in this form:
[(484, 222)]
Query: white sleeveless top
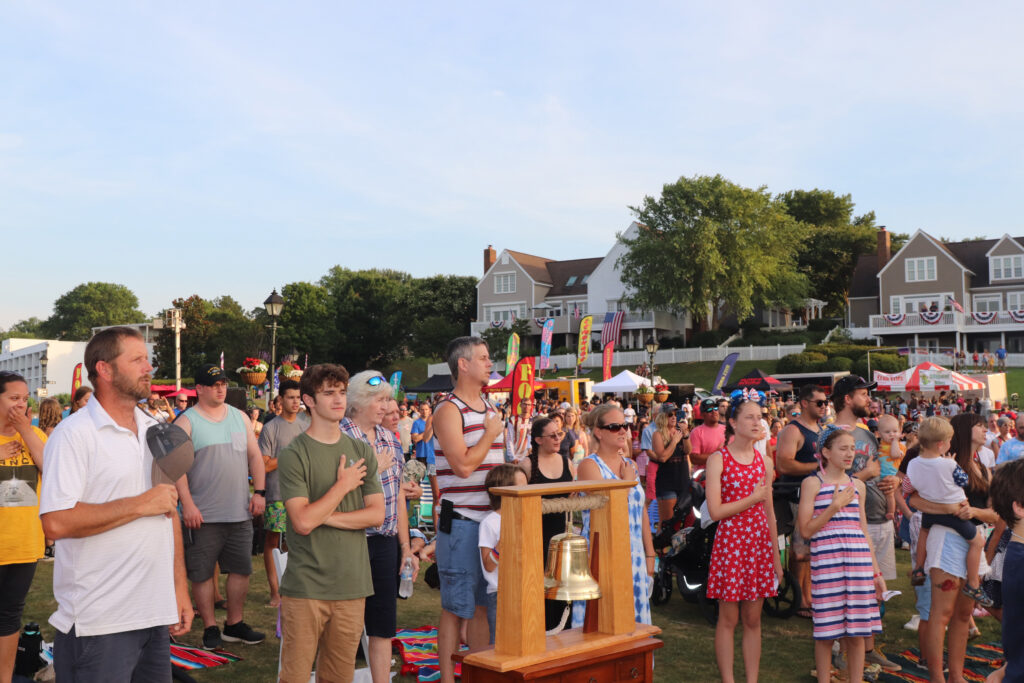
[(469, 495)]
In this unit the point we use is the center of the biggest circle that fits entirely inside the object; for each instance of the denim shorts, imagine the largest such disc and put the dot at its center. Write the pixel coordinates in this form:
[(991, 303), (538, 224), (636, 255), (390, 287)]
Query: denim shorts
[(463, 586), (947, 550)]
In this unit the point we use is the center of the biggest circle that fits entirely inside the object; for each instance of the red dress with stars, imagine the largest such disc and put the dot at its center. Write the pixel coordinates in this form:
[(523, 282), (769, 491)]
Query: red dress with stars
[(741, 560)]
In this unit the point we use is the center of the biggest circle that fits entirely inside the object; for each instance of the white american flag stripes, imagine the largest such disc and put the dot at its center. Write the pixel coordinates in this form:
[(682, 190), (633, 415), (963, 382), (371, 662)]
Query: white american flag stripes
[(612, 328)]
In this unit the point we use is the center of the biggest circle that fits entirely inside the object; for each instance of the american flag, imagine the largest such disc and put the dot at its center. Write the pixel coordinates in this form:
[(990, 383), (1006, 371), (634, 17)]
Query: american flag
[(612, 329), (954, 304), (576, 311)]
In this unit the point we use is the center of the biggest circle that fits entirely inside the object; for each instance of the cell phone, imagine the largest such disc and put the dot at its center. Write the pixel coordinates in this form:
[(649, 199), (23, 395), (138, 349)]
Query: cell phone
[(445, 519)]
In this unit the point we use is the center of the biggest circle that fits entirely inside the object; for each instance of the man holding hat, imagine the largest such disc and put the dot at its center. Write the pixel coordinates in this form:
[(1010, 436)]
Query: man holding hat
[(119, 577), (216, 505)]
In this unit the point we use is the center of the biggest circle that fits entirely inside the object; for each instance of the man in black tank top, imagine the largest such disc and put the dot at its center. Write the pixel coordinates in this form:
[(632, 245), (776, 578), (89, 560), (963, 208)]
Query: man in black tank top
[(795, 460)]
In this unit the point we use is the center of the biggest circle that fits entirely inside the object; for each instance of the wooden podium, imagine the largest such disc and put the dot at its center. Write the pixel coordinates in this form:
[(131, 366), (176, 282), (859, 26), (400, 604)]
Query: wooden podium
[(619, 650)]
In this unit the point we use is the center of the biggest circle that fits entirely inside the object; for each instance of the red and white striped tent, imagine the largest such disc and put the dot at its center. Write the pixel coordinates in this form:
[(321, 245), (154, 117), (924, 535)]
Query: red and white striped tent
[(926, 377)]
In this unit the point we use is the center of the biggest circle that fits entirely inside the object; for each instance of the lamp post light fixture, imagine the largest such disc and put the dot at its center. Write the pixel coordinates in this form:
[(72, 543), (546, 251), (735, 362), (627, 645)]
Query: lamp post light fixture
[(273, 304), (44, 360), (652, 348)]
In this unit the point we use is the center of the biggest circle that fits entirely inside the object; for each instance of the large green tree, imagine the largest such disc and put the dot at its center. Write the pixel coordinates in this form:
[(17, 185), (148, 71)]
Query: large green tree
[(710, 245), (30, 328), (92, 304), (441, 308), (307, 321), (497, 338)]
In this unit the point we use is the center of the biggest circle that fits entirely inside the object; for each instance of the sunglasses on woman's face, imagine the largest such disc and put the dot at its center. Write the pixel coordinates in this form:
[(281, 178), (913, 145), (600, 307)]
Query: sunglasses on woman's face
[(614, 426)]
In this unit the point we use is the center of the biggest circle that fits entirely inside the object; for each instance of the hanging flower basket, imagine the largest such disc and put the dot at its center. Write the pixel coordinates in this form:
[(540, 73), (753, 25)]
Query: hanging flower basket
[(645, 398), (253, 378)]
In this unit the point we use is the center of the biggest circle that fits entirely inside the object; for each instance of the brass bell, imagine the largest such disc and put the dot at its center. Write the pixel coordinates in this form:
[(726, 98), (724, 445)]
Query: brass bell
[(568, 570)]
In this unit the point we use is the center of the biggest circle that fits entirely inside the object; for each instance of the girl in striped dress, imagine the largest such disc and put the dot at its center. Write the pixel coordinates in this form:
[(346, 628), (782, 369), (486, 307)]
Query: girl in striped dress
[(845, 581)]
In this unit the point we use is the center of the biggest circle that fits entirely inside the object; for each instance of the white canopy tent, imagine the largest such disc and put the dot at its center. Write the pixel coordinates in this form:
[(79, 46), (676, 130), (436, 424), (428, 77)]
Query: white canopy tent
[(624, 382)]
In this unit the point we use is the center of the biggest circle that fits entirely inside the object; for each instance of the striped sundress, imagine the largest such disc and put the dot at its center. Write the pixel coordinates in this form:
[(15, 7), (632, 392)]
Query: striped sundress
[(842, 577)]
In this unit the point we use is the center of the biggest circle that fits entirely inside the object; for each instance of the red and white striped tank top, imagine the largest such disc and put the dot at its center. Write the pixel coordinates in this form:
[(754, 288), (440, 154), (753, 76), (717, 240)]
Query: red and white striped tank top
[(469, 495)]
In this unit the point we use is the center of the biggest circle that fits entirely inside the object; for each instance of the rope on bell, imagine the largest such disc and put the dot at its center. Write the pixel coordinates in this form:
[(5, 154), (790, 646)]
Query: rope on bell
[(592, 502)]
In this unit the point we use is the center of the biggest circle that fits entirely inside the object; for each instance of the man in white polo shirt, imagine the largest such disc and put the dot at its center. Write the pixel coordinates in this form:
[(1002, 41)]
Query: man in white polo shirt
[(119, 573)]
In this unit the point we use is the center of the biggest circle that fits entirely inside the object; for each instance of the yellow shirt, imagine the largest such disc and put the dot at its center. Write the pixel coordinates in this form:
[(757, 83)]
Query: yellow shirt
[(21, 532)]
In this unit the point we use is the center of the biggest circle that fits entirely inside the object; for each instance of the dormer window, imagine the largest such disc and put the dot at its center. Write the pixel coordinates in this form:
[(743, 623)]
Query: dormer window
[(920, 269), (584, 279), (571, 281), (1006, 267)]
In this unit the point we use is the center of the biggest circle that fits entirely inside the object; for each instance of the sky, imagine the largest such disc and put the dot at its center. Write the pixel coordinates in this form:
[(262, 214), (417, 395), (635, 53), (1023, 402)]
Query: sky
[(228, 148)]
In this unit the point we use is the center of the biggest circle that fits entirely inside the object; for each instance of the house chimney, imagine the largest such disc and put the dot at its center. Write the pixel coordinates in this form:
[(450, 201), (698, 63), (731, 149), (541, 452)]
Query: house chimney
[(884, 246), (490, 256)]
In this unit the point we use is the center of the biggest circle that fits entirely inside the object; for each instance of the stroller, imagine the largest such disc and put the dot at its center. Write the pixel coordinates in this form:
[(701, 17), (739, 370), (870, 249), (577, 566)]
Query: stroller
[(684, 547)]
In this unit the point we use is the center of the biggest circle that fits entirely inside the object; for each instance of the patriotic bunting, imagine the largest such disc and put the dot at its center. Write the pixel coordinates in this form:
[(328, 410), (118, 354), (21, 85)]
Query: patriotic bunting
[(931, 317), (1018, 315), (497, 323), (983, 318), (895, 318)]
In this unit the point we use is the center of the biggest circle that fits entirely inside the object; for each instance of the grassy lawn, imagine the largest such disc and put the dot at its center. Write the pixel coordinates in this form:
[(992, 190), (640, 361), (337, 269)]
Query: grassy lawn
[(687, 655)]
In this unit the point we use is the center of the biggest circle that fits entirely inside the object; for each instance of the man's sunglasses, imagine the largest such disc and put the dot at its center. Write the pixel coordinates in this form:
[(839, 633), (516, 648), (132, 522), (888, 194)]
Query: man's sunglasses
[(614, 426), (375, 380), (821, 402)]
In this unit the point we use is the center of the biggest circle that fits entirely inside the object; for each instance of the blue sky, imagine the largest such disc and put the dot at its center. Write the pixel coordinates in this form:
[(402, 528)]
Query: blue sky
[(231, 147)]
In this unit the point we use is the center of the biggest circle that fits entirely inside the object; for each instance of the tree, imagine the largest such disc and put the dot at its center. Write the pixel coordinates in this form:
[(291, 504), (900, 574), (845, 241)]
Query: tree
[(32, 328), (307, 321), (233, 332), (370, 316), (195, 338), (709, 245), (93, 304), (497, 338), (834, 240)]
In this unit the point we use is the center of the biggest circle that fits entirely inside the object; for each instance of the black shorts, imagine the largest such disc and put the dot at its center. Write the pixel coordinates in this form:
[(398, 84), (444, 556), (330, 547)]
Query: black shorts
[(228, 544), (964, 527), (381, 612), (15, 580)]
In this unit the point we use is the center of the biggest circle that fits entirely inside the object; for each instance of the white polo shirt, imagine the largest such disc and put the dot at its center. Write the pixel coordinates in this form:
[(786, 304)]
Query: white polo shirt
[(122, 579)]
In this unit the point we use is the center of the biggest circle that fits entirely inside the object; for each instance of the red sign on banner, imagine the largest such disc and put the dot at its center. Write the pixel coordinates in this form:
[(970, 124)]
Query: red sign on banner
[(76, 379), (606, 361), (584, 346), (522, 386)]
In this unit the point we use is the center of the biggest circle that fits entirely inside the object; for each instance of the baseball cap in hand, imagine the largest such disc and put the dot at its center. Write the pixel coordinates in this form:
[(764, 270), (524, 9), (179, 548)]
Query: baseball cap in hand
[(849, 383), (210, 374), (173, 452)]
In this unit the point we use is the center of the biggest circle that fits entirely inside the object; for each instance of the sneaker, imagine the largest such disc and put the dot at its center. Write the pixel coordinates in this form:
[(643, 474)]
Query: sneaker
[(211, 638), (242, 632), (876, 657), (913, 624)]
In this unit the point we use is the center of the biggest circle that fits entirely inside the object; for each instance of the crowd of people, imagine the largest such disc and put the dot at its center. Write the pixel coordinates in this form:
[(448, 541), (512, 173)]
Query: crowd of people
[(327, 471)]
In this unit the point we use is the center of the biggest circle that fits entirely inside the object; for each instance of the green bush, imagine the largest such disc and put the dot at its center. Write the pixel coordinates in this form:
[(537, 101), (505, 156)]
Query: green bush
[(677, 342), (839, 364), (801, 362), (710, 338), (835, 349), (751, 326), (823, 324), (882, 362)]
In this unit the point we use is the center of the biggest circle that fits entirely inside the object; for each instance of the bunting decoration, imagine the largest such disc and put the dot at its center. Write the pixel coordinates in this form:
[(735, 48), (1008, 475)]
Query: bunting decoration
[(496, 324), (540, 321), (1018, 315), (895, 318), (931, 317), (983, 318)]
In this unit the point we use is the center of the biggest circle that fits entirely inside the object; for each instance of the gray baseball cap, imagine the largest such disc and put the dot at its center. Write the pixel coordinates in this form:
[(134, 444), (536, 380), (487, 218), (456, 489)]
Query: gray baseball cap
[(173, 452)]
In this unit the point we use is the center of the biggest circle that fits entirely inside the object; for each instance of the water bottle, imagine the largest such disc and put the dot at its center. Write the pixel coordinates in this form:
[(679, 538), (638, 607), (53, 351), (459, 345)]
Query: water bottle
[(27, 660), (405, 587)]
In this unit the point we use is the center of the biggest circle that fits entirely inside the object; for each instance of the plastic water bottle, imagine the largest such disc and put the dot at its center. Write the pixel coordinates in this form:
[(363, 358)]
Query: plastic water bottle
[(405, 587)]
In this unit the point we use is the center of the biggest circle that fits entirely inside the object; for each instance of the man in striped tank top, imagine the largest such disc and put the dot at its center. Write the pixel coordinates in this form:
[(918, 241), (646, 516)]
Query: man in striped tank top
[(469, 436)]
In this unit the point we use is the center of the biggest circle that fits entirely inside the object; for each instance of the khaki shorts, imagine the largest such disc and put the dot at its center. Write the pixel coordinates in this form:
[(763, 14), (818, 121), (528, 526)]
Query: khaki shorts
[(883, 540), (332, 625)]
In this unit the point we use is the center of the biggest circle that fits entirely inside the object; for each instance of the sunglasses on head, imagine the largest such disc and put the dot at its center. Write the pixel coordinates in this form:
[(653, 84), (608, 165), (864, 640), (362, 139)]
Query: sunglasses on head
[(614, 426), (375, 380)]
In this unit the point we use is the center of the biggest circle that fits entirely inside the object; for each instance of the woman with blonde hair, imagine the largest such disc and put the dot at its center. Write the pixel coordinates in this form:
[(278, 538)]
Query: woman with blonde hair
[(49, 415), (572, 424), (670, 446)]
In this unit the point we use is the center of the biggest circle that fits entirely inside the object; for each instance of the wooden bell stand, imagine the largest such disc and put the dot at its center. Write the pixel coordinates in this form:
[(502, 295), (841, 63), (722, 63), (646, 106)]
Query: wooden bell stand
[(618, 650)]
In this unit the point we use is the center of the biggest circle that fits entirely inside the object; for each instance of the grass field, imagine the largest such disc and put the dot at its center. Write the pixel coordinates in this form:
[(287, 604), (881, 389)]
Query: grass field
[(686, 656)]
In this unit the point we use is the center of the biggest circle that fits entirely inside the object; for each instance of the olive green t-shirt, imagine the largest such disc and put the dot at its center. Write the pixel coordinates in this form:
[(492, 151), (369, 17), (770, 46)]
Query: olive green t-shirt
[(329, 563)]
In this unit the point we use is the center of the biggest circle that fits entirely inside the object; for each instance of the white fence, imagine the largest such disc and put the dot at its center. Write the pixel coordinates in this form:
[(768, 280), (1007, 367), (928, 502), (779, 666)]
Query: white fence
[(663, 357)]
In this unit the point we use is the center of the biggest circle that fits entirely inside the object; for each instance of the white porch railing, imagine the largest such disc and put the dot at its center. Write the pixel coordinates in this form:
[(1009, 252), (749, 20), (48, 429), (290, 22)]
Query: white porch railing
[(663, 357)]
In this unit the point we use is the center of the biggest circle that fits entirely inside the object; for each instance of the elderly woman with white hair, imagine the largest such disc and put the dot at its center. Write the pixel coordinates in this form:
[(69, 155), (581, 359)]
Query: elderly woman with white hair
[(368, 397)]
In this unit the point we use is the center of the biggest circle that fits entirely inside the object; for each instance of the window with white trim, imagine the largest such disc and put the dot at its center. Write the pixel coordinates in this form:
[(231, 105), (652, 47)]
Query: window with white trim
[(504, 283), (1006, 267), (920, 269), (506, 313), (1014, 301), (987, 303)]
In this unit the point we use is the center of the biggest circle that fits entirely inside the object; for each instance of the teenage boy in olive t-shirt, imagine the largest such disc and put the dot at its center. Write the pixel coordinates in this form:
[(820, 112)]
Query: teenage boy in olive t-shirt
[(331, 493)]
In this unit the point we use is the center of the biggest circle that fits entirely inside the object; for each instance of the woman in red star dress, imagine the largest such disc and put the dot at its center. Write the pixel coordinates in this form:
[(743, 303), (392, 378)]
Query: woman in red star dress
[(745, 566)]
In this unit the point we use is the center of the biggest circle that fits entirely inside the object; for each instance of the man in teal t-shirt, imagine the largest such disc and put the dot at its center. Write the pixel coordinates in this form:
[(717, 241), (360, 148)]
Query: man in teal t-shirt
[(331, 493)]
